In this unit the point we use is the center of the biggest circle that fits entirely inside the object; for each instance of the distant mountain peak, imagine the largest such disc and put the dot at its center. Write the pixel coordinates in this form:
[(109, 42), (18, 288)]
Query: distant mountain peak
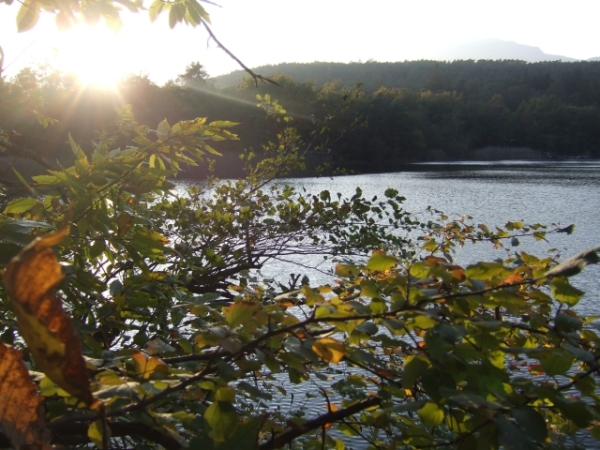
[(498, 49)]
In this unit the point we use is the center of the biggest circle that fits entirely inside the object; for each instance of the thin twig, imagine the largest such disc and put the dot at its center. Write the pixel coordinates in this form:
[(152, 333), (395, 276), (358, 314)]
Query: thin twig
[(254, 75)]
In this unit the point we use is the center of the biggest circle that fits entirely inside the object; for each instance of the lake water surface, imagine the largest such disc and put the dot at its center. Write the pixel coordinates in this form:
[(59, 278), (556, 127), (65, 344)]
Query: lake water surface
[(559, 193)]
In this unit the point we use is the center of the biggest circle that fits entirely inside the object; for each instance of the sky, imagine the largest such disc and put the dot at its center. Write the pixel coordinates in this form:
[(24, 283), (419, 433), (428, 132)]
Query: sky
[(273, 31)]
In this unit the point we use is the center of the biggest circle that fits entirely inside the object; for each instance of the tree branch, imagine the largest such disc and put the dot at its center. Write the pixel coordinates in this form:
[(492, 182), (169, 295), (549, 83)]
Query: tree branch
[(77, 434), (254, 75), (330, 417)]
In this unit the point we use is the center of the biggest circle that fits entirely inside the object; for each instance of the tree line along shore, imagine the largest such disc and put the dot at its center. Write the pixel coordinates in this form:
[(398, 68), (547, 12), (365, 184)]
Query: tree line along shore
[(375, 116)]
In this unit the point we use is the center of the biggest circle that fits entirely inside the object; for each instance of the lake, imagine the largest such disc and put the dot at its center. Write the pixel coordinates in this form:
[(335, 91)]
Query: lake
[(559, 193), (493, 193)]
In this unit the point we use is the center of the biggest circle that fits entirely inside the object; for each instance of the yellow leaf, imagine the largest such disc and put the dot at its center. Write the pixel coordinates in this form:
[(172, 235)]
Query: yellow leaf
[(30, 279), (21, 411), (330, 350), (149, 367), (96, 433), (331, 408)]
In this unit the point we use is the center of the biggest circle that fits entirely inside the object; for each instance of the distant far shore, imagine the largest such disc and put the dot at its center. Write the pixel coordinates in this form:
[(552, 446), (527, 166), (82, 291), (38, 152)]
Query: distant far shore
[(492, 153)]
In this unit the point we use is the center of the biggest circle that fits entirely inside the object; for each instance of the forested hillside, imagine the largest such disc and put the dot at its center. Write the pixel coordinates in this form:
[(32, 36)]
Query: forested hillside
[(363, 117), (548, 76)]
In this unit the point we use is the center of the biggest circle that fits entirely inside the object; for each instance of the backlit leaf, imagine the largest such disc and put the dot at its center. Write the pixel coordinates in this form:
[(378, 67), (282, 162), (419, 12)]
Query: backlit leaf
[(381, 261), (240, 313), (155, 9), (330, 350), (95, 433), (346, 270), (330, 408), (484, 270), (149, 367), (21, 205), (76, 149), (431, 415), (28, 15), (31, 278)]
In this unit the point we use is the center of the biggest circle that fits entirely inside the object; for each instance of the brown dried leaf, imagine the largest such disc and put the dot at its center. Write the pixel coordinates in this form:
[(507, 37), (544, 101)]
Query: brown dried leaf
[(21, 413), (31, 278), (575, 264)]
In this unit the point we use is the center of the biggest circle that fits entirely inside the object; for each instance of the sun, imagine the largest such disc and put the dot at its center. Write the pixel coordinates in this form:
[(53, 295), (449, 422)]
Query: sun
[(93, 54)]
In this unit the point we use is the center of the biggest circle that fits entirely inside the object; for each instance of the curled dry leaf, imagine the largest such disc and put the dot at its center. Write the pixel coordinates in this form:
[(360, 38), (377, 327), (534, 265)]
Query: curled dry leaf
[(31, 279), (575, 264), (21, 414)]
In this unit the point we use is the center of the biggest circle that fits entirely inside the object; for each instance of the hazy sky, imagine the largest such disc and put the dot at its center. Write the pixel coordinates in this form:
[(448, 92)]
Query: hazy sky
[(272, 31)]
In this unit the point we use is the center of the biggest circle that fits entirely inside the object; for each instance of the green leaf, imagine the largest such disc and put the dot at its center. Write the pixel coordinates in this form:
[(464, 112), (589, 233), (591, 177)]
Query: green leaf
[(564, 292), (22, 226), (223, 124), (21, 205), (346, 270), (377, 306), (95, 433), (225, 394), (163, 129), (381, 261), (192, 16), (22, 179), (413, 369), (511, 436), (28, 15), (484, 270), (368, 327), (49, 180), (528, 419), (579, 353), (513, 302), (76, 149), (176, 14), (567, 323), (221, 415), (253, 391), (431, 414), (430, 245), (555, 362), (420, 270), (576, 411), (156, 8), (240, 312)]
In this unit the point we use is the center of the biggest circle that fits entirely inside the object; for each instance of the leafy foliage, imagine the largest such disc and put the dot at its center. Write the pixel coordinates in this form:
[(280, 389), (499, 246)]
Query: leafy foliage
[(185, 344)]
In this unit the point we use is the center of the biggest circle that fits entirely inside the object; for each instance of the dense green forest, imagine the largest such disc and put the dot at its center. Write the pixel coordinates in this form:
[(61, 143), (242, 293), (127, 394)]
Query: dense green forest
[(360, 116)]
